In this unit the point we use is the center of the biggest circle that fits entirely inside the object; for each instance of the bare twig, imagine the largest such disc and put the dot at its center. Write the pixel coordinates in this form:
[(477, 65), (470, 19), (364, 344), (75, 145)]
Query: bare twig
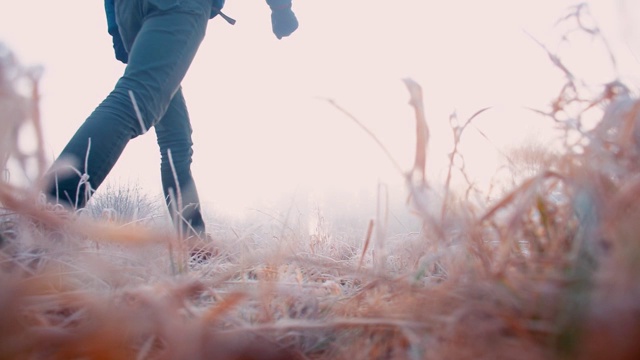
[(369, 132)]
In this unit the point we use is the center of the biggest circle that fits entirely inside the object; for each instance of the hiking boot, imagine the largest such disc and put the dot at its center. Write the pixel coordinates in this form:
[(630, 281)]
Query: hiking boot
[(201, 248)]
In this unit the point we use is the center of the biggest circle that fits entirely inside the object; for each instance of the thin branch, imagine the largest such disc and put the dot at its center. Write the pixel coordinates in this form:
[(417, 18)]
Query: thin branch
[(369, 132)]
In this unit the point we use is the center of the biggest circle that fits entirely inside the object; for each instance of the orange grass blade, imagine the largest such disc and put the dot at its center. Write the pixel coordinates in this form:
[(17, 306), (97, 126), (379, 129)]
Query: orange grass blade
[(224, 307), (367, 240)]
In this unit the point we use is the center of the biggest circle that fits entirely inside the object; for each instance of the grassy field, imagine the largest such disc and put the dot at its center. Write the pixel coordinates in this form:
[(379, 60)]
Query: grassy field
[(549, 270)]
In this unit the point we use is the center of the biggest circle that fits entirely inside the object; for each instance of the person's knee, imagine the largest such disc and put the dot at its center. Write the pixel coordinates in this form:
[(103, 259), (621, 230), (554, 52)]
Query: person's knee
[(143, 106), (179, 148)]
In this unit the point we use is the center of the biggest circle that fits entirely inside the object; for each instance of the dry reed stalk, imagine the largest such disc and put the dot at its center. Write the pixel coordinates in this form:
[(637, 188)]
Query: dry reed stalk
[(382, 221), (422, 130), (367, 240)]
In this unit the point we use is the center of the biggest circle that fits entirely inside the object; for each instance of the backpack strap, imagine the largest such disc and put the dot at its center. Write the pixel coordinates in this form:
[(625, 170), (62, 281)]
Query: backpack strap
[(216, 11)]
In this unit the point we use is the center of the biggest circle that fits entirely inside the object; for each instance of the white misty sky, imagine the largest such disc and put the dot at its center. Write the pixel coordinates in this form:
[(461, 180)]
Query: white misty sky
[(260, 127)]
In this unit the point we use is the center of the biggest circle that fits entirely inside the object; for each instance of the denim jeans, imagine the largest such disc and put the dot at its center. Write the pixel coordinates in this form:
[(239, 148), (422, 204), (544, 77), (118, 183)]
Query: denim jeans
[(161, 38)]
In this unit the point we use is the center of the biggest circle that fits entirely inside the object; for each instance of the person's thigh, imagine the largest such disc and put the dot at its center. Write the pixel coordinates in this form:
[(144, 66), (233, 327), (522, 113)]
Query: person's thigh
[(162, 38)]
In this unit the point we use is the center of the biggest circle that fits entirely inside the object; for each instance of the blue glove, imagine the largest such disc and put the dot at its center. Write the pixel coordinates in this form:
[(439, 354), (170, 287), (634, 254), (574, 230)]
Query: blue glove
[(283, 21)]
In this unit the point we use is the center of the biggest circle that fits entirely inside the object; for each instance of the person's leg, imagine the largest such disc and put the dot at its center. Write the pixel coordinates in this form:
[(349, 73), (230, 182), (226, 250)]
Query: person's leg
[(92, 151), (162, 38), (174, 136)]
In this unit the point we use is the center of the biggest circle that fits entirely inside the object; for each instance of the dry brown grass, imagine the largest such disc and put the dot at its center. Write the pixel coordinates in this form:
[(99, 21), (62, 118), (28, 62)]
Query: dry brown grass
[(549, 271)]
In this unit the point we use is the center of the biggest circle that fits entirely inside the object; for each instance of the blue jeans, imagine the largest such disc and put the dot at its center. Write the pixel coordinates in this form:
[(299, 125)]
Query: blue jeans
[(162, 38)]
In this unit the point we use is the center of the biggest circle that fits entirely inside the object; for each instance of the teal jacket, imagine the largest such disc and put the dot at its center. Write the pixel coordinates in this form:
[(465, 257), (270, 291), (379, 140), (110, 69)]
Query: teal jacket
[(216, 6), (110, 10)]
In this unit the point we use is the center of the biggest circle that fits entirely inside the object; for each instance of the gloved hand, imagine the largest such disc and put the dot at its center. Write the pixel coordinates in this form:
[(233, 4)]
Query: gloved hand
[(283, 22), (118, 48)]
